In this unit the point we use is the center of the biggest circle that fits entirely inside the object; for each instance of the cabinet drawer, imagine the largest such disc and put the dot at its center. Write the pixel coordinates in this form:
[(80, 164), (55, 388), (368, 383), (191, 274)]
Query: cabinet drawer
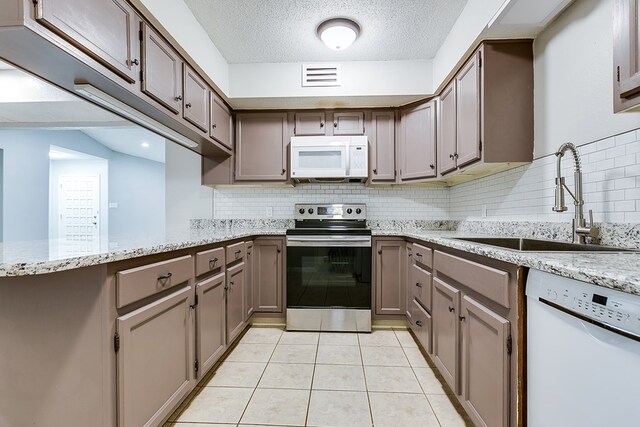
[(422, 255), (487, 281), (421, 325), (235, 252), (211, 260), (137, 283), (421, 285)]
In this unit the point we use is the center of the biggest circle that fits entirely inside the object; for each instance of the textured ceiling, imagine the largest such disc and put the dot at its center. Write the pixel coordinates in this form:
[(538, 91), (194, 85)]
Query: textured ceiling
[(285, 30)]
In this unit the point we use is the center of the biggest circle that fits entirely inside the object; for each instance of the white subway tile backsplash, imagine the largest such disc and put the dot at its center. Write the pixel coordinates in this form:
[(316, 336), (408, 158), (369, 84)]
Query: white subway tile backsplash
[(611, 188)]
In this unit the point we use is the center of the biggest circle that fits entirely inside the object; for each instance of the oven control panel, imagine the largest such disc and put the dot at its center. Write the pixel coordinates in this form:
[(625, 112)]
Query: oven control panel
[(354, 211)]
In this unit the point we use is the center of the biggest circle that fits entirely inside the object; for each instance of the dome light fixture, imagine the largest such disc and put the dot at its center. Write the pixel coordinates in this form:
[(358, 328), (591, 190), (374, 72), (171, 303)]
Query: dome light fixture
[(338, 33)]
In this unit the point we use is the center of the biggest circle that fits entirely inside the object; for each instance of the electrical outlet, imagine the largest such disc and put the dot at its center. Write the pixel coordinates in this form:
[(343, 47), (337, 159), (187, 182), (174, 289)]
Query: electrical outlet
[(483, 211), (269, 212)]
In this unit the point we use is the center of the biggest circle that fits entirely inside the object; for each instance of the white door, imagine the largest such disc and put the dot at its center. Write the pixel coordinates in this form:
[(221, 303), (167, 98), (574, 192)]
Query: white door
[(79, 210)]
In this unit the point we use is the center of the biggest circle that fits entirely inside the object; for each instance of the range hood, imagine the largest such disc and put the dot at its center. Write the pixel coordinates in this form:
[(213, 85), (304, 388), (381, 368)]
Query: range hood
[(329, 159)]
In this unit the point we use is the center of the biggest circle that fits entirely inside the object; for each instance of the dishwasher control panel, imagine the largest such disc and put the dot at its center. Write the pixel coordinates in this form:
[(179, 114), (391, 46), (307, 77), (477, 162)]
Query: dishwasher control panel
[(614, 308)]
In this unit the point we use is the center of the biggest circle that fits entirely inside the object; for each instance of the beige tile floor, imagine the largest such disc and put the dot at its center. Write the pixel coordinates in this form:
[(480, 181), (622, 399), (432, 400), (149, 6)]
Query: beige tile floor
[(278, 378)]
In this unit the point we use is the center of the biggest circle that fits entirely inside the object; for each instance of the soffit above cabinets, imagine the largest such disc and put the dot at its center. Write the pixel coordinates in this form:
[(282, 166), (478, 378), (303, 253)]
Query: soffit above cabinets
[(285, 30)]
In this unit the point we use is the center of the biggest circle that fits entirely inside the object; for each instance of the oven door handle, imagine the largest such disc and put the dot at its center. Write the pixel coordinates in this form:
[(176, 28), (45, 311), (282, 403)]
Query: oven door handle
[(330, 241)]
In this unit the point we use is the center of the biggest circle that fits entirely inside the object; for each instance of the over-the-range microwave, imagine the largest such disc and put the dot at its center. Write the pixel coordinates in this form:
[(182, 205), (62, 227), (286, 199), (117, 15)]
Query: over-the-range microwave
[(329, 158)]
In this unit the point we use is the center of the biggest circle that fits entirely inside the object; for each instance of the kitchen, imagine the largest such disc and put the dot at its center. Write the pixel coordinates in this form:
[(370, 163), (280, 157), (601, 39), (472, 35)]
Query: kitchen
[(161, 254)]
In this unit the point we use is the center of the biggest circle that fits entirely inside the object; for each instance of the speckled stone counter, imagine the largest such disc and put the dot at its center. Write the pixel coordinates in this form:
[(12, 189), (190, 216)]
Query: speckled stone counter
[(620, 271)]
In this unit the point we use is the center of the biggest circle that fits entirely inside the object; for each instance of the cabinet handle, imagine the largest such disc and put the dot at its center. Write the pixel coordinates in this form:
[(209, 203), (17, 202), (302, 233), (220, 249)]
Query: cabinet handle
[(419, 284), (451, 309), (188, 105), (283, 171), (432, 166), (135, 62), (375, 171), (380, 252), (239, 251), (419, 254), (451, 156), (164, 276), (455, 155), (213, 126), (419, 323), (321, 124), (335, 124), (213, 261), (230, 283), (179, 98), (278, 250), (461, 318)]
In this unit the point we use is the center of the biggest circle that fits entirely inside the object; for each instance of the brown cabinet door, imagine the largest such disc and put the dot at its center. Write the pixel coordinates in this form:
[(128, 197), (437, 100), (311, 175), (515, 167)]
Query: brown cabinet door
[(155, 359), (310, 123), (104, 29), (235, 301), (248, 282), (485, 364), (210, 327), (468, 111), (408, 249), (418, 136), (446, 309), (161, 71), (447, 129), (348, 123), (221, 122), (268, 267), (196, 99), (389, 289), (261, 149), (382, 138), (626, 54)]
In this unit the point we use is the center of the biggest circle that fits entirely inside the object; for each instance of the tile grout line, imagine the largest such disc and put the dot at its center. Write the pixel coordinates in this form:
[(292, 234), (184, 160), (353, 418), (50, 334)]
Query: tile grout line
[(259, 379), (366, 385), (313, 374)]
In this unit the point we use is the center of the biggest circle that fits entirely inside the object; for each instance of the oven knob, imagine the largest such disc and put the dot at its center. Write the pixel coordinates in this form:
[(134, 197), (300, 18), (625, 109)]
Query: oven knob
[(301, 210), (349, 210), (310, 210), (358, 211)]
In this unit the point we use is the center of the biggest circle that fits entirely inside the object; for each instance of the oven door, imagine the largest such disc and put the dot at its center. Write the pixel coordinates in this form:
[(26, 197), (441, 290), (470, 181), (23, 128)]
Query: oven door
[(329, 283)]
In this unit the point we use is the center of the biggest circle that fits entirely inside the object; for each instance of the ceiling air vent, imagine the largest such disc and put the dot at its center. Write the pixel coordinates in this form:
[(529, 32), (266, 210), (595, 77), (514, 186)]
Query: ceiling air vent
[(320, 75)]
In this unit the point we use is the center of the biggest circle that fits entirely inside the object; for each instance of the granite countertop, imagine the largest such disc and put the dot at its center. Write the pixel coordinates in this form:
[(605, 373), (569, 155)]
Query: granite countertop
[(620, 271)]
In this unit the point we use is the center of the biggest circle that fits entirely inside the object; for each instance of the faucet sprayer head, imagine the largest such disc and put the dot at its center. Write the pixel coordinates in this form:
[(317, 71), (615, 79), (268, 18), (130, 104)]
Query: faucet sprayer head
[(559, 204)]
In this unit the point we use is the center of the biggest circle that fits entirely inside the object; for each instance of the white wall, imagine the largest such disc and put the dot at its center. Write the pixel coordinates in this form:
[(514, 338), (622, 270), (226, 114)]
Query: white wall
[(574, 78), (186, 198)]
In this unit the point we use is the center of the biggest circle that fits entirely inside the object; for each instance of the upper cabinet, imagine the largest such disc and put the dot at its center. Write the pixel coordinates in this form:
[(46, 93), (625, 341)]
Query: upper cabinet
[(382, 147), (418, 142), (105, 29), (310, 123), (626, 55), (221, 122), (261, 147), (196, 99), (348, 123), (161, 71), (344, 123), (485, 118)]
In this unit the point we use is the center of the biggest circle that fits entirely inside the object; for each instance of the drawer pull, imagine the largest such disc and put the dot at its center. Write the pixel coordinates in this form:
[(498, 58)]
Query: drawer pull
[(230, 283), (164, 276), (451, 309), (212, 262), (419, 323), (419, 254), (419, 284), (238, 252), (461, 318)]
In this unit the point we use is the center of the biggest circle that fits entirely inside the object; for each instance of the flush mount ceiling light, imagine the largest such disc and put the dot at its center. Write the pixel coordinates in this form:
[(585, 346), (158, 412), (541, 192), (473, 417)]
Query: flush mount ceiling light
[(338, 33)]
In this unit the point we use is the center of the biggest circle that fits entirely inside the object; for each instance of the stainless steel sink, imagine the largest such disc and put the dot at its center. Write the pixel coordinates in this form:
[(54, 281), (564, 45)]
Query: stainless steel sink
[(535, 245)]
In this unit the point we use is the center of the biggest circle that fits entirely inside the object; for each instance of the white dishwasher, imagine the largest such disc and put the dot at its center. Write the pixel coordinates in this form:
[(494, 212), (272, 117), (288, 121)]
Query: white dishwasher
[(583, 354)]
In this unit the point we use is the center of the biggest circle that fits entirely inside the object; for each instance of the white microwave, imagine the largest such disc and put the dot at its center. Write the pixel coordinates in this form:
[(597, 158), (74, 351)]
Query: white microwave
[(329, 158)]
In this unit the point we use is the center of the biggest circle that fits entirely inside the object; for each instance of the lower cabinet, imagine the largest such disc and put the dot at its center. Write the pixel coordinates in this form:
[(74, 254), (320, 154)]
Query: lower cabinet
[(155, 362), (421, 325), (485, 364), (389, 290), (248, 282), (235, 301), (210, 322), (268, 274), (446, 331)]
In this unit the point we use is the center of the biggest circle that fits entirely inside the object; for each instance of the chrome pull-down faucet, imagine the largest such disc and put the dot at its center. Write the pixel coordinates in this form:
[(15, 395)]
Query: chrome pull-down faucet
[(580, 229)]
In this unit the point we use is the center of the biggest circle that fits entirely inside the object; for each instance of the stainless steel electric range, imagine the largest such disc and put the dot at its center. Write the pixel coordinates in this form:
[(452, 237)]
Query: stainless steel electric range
[(329, 269)]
